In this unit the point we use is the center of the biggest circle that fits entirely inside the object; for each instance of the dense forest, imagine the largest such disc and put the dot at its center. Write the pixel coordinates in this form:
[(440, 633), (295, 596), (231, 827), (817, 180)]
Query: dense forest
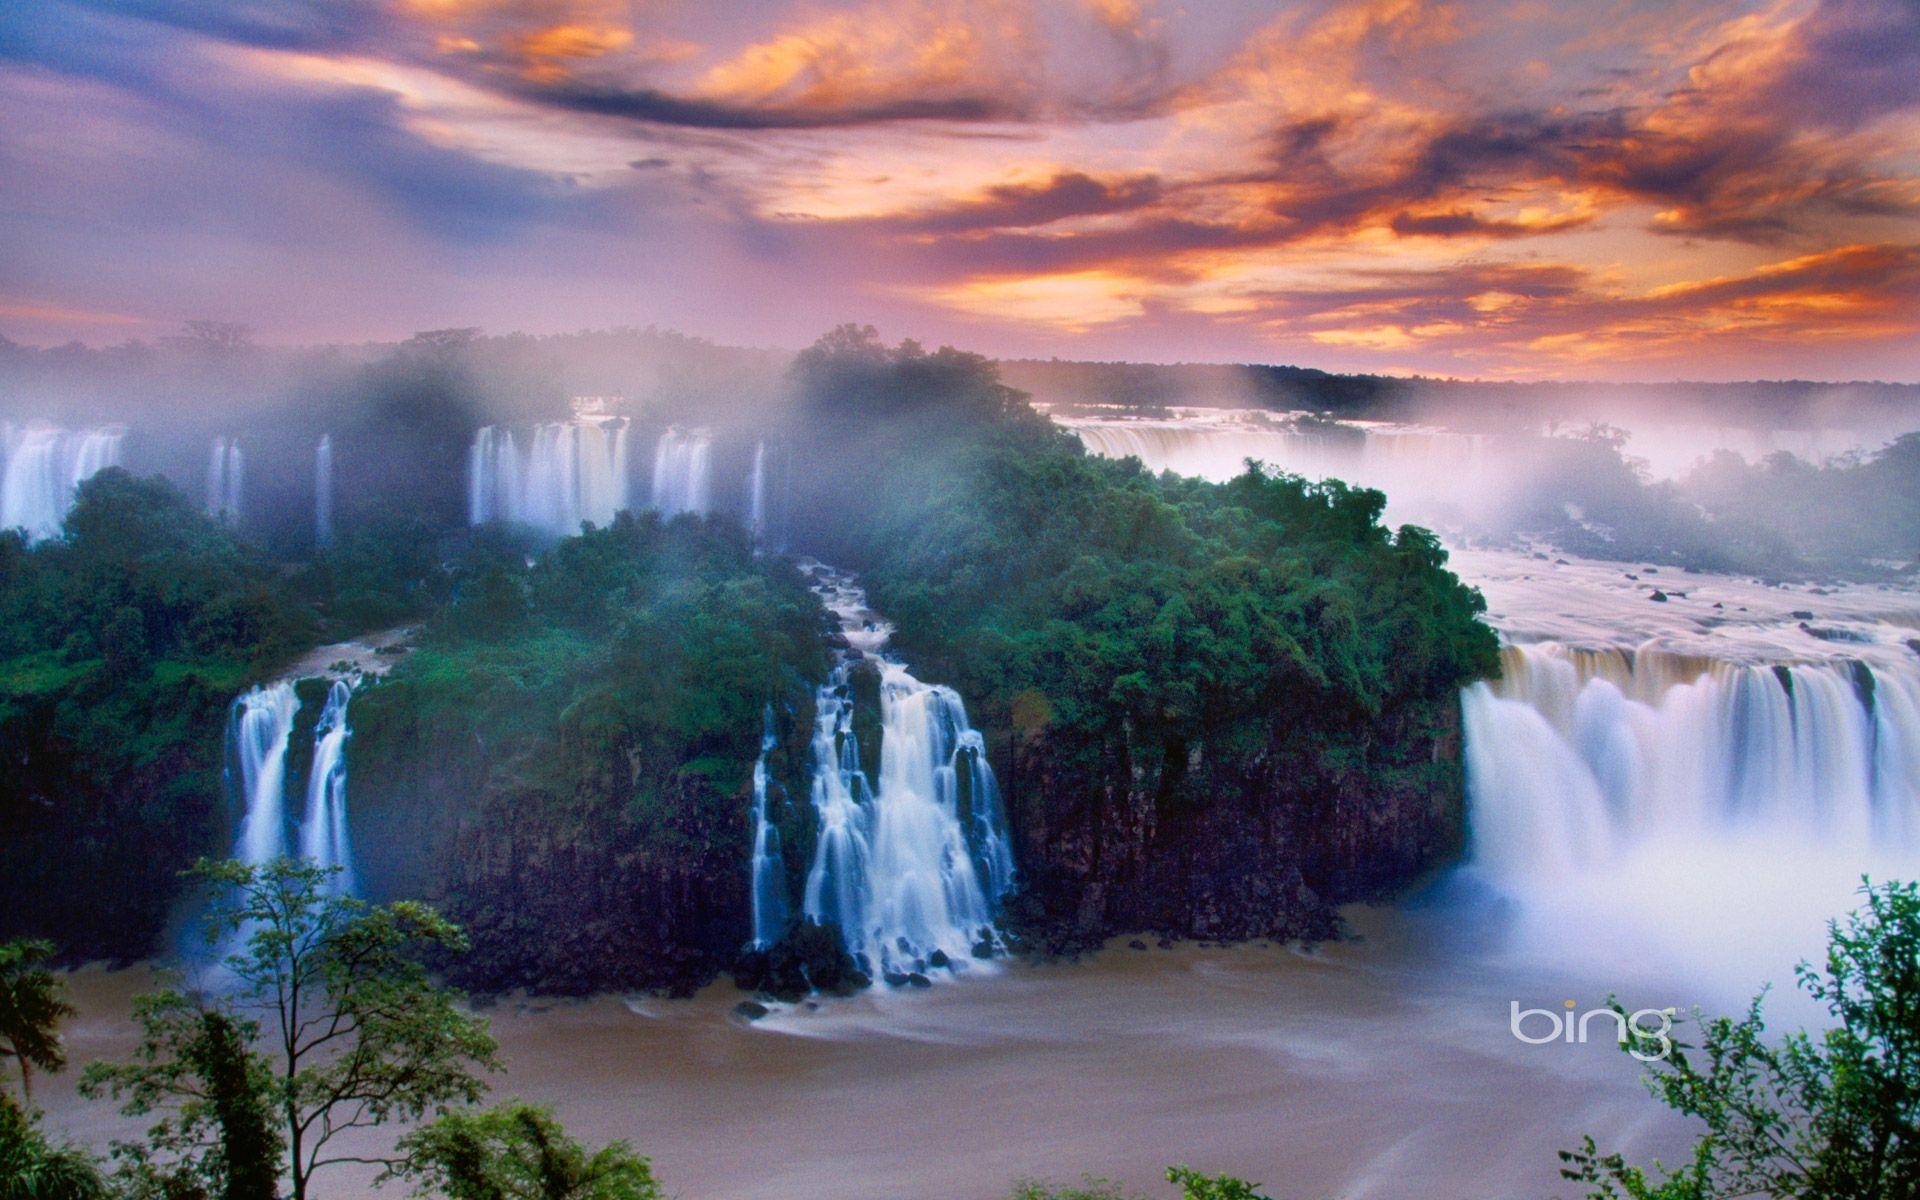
[(1216, 709)]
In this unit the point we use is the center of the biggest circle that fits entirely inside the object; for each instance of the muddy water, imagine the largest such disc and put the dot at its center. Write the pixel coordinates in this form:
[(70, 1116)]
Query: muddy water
[(1377, 1068)]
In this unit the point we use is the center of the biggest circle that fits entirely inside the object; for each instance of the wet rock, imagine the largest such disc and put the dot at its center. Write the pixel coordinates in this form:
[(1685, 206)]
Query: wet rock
[(1136, 944), (1657, 596), (916, 979), (1801, 614), (939, 959), (983, 949), (750, 1010)]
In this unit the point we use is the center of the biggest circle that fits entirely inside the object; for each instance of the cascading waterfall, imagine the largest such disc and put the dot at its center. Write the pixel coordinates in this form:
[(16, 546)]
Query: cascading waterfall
[(259, 727), (757, 494), (570, 472), (323, 831), (770, 908), (226, 469), (911, 869), (682, 471), (1435, 475), (1648, 808), (323, 491), (45, 466)]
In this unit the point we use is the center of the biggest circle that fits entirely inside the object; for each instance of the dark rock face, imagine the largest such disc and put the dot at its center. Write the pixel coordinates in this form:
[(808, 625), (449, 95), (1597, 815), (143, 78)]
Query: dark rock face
[(1257, 845), (574, 903)]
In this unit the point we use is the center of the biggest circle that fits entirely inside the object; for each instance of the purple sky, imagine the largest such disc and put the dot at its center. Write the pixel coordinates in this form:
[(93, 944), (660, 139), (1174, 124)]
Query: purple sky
[(1511, 188)]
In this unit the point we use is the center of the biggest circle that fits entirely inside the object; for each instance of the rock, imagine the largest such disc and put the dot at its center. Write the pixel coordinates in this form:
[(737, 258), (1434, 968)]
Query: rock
[(750, 1010), (916, 979), (1136, 944), (894, 978), (983, 949), (1165, 943), (1631, 575), (1717, 604), (1561, 562), (1658, 596), (1913, 644), (939, 959), (1801, 614), (1651, 570)]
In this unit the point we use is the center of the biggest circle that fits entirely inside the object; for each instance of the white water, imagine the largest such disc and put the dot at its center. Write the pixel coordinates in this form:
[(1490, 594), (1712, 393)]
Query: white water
[(44, 467), (769, 869), (1687, 817), (757, 494), (1428, 474), (1680, 791), (323, 491), (683, 471), (569, 472), (226, 472), (917, 864), (323, 831), (258, 729)]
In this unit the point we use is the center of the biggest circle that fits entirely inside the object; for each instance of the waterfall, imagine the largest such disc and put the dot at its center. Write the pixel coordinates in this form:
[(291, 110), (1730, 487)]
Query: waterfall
[(571, 471), (1645, 807), (911, 868), (258, 730), (682, 471), (225, 473), (323, 491), (770, 908), (323, 832), (45, 466), (1435, 476), (757, 494)]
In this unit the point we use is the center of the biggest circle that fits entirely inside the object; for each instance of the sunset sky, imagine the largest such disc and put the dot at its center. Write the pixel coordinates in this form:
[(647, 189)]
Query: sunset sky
[(1514, 188)]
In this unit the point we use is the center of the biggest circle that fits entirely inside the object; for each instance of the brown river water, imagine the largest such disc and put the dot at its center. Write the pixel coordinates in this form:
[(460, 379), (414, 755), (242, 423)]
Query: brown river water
[(1382, 1067)]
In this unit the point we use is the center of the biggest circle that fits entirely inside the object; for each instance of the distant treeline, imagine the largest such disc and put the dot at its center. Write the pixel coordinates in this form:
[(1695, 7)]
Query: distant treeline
[(1465, 404)]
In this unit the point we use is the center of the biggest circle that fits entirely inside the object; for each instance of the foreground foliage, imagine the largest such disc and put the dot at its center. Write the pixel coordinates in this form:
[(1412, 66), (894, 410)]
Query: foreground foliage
[(519, 1152), (33, 1002), (1193, 1186), (321, 1022), (1828, 1116)]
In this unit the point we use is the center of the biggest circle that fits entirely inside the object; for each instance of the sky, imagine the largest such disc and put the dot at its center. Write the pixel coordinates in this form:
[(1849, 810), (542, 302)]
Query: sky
[(1614, 189)]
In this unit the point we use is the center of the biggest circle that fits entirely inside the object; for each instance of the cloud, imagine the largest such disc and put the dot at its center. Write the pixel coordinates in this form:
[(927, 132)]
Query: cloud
[(1455, 186)]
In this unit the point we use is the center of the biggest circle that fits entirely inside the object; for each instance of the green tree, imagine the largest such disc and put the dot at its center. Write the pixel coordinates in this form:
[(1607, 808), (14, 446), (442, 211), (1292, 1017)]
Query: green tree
[(33, 1002), (1812, 1117), (33, 1168), (1193, 1186), (322, 1022), (518, 1152)]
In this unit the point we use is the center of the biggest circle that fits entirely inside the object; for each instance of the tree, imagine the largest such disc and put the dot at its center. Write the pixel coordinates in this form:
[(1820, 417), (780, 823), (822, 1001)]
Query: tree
[(33, 1002), (33, 1168), (1803, 1116), (324, 1020), (1193, 1186), (519, 1152)]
